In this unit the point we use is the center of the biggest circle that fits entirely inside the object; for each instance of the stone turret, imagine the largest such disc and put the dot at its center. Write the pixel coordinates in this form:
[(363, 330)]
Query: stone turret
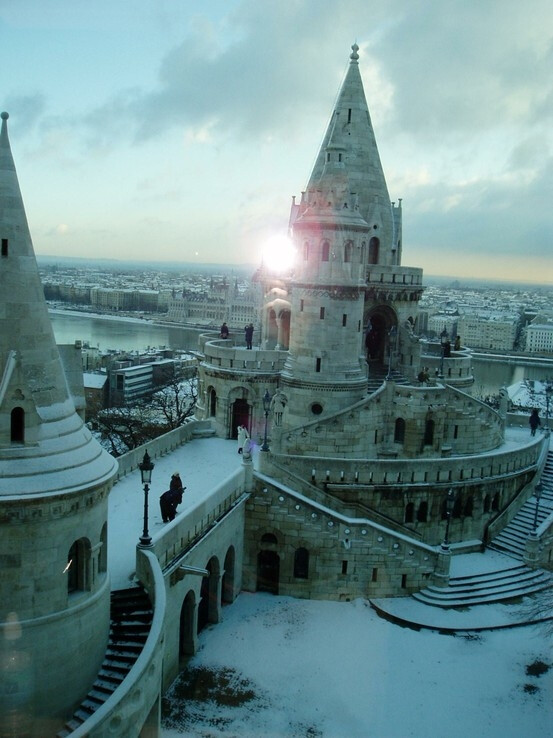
[(54, 482)]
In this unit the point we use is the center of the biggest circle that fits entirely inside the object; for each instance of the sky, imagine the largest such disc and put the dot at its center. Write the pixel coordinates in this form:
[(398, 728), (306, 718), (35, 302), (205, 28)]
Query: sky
[(179, 131)]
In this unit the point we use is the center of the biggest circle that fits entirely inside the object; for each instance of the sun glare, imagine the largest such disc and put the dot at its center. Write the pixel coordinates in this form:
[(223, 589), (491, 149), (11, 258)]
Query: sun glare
[(278, 253)]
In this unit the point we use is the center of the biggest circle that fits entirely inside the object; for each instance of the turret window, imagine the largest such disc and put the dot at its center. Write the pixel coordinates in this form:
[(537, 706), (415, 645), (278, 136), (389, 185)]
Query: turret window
[(374, 245), (17, 431), (4, 247), (306, 251), (317, 364), (344, 320), (322, 313), (348, 251), (325, 251)]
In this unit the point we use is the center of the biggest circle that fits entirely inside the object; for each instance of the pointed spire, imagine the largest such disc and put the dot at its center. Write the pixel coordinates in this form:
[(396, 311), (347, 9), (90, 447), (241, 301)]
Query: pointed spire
[(349, 151), (51, 449)]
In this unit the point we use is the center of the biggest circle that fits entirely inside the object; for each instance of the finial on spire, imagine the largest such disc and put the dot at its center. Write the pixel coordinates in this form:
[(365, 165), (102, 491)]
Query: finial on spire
[(354, 56), (5, 116)]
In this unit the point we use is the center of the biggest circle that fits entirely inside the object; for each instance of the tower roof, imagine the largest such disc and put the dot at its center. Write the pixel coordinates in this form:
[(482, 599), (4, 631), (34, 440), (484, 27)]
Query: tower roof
[(349, 151), (51, 450)]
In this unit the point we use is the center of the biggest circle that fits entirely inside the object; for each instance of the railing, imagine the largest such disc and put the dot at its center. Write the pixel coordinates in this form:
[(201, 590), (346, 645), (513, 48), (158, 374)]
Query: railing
[(397, 276), (224, 354), (410, 473), (132, 701), (178, 535), (160, 446)]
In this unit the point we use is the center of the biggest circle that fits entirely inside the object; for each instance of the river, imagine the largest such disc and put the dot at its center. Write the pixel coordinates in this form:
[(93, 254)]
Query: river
[(137, 335)]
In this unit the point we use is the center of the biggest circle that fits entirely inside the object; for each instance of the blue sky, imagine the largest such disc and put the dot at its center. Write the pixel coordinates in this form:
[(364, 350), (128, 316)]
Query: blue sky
[(178, 130)]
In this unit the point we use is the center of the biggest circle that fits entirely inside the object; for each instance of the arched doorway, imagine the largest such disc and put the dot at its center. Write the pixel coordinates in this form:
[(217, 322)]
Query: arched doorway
[(240, 416), (227, 583), (208, 607), (271, 330), (268, 571), (284, 334), (186, 630)]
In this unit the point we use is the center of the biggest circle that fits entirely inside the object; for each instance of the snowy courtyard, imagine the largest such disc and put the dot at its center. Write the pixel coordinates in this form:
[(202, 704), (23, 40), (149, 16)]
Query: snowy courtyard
[(278, 667)]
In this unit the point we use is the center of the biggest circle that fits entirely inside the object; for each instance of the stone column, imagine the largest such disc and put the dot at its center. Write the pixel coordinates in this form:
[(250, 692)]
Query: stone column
[(440, 575)]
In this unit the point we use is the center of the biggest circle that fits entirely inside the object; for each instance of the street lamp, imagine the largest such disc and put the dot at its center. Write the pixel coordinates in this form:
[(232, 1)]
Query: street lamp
[(538, 489), (443, 340), (391, 336), (146, 468), (266, 410), (449, 505)]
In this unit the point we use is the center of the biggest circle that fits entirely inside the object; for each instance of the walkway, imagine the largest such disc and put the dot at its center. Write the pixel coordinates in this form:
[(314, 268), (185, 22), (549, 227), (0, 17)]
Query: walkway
[(202, 463)]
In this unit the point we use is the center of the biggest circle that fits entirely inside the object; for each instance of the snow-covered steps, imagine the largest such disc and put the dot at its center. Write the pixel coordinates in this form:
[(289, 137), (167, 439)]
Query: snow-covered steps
[(479, 589), (131, 618), (512, 539)]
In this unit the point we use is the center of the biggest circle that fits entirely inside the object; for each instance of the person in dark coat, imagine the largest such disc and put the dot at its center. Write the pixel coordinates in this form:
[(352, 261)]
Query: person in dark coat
[(224, 331), (534, 421), (170, 500), (248, 333)]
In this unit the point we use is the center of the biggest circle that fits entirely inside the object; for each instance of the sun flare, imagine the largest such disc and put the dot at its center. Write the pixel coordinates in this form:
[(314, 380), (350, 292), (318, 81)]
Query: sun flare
[(278, 253)]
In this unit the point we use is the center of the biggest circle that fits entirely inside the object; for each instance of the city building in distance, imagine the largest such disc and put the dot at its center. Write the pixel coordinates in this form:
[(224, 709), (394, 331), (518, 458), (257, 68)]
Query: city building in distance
[(358, 445)]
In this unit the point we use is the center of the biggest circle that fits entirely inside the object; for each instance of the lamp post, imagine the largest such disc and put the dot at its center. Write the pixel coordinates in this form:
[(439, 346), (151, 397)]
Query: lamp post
[(538, 489), (391, 336), (449, 505), (146, 468), (266, 410), (443, 340)]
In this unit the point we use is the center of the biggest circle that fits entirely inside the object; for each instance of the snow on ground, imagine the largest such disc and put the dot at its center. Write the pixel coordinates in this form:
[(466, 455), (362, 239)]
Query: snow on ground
[(336, 670), (312, 669), (202, 464)]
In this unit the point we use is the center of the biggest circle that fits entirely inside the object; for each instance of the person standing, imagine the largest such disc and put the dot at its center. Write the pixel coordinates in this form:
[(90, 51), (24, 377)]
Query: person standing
[(224, 331), (534, 421), (248, 332), (243, 436)]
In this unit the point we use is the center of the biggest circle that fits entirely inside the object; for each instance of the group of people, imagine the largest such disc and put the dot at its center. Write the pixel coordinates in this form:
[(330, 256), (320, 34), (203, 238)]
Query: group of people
[(170, 500), (248, 333)]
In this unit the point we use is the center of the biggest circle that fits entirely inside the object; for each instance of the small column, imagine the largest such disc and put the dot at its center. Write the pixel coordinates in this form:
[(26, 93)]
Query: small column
[(532, 551), (440, 575)]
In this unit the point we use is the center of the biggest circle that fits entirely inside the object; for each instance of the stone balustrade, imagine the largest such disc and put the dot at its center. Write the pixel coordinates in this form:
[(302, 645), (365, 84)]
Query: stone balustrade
[(412, 472), (136, 697)]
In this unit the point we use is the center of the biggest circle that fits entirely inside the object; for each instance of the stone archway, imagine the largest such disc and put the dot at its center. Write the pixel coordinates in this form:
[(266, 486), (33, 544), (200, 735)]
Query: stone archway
[(227, 582), (268, 572), (187, 643), (209, 605), (379, 321)]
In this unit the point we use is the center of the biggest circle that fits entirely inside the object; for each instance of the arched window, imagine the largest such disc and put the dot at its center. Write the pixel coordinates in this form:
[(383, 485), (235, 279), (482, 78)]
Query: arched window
[(78, 559), (306, 250), (429, 433), (399, 431), (495, 502), (212, 403), (469, 504), (409, 512), (422, 512), (301, 563), (103, 557), (374, 246), (348, 251), (457, 507), (325, 251), (487, 504), (268, 538), (17, 434)]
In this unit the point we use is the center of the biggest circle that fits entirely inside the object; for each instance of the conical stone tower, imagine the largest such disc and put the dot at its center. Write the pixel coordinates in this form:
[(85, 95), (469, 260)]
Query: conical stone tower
[(54, 484)]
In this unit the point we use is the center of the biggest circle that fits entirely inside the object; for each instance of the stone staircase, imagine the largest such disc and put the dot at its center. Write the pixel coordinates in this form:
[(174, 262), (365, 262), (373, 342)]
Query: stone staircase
[(130, 621), (378, 375), (485, 588), (512, 539)]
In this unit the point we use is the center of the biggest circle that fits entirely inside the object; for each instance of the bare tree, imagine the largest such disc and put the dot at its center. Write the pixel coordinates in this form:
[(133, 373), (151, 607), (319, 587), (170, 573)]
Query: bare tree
[(175, 402), (121, 429)]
